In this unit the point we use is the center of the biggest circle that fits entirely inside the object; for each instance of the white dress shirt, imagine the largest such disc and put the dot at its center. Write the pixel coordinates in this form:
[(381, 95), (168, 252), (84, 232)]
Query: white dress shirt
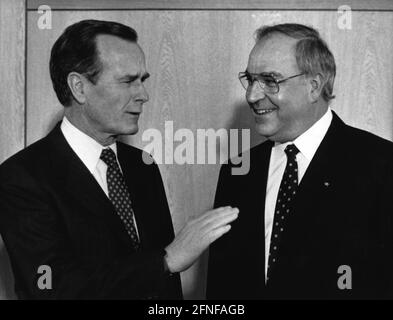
[(307, 143), (89, 151)]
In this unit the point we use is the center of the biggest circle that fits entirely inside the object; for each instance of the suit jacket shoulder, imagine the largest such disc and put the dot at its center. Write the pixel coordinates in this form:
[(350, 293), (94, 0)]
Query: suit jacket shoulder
[(343, 214), (53, 212), (368, 144)]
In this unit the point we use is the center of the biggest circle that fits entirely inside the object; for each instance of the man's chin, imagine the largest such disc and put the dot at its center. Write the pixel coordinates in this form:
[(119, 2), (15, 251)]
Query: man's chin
[(264, 130), (130, 130), (133, 130), (274, 134)]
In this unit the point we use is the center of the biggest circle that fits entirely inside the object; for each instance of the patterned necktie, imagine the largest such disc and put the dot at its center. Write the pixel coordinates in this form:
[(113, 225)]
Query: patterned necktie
[(119, 195), (286, 193)]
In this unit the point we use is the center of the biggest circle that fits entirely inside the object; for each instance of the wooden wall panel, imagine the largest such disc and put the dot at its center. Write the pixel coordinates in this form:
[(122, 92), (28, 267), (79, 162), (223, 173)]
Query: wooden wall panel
[(194, 58), (12, 107), (212, 4), (12, 79)]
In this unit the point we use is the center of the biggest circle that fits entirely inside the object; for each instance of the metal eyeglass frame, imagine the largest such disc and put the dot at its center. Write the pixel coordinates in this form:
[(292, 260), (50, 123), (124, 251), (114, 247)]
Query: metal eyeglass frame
[(263, 85)]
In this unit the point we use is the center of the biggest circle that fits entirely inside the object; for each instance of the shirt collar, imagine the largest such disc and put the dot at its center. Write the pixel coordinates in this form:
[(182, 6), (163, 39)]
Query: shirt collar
[(309, 141), (87, 149)]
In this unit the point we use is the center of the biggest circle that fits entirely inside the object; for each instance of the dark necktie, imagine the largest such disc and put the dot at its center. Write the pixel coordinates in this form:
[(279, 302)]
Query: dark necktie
[(119, 195), (286, 194)]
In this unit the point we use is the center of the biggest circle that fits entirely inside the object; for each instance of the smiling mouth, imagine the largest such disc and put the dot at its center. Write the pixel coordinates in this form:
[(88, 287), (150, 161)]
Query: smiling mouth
[(134, 113), (261, 112)]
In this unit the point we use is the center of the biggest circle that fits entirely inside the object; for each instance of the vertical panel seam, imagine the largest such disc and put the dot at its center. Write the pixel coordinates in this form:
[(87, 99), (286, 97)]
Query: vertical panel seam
[(25, 80)]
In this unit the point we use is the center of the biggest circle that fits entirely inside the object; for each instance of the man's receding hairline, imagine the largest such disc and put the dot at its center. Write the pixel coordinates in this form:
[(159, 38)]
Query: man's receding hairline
[(277, 34), (99, 45), (280, 35)]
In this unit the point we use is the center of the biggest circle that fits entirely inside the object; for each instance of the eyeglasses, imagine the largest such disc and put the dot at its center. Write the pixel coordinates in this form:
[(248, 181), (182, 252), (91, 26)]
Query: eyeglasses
[(266, 81)]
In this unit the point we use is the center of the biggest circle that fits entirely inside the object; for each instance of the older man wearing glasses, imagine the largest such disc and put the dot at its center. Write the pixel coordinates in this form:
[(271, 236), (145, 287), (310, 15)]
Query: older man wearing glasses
[(317, 204)]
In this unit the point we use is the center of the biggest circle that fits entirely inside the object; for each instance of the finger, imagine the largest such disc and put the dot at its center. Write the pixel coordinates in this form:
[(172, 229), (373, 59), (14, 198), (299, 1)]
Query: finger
[(221, 214), (211, 214), (220, 209), (218, 232), (219, 222), (206, 214), (218, 213), (212, 219)]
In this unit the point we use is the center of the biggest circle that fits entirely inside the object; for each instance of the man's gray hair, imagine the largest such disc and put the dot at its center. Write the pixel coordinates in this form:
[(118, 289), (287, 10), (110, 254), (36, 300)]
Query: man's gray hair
[(312, 53)]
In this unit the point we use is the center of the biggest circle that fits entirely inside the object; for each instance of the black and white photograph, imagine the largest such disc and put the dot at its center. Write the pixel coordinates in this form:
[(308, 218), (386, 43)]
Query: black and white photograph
[(214, 152)]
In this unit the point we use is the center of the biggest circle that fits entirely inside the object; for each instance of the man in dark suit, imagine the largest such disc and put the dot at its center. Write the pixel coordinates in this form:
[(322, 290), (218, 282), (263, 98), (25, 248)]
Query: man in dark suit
[(83, 216), (317, 204)]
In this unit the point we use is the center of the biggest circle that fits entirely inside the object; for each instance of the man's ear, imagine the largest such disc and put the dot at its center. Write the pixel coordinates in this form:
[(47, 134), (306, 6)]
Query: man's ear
[(76, 83), (316, 85)]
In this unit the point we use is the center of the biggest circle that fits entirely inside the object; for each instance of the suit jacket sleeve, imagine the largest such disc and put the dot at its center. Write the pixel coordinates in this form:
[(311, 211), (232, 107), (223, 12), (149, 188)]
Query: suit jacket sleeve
[(385, 248), (35, 235)]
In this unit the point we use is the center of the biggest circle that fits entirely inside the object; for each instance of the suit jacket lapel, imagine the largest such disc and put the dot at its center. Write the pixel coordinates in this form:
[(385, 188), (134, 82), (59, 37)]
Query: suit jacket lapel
[(254, 193), (80, 185), (257, 197), (259, 174), (319, 178)]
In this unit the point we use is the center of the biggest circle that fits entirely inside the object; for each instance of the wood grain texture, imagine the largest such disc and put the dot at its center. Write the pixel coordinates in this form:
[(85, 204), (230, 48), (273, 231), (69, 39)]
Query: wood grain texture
[(12, 107), (211, 4), (194, 58)]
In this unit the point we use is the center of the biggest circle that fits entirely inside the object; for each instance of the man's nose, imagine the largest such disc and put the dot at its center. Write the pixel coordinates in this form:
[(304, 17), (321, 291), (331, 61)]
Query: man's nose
[(143, 95), (255, 92)]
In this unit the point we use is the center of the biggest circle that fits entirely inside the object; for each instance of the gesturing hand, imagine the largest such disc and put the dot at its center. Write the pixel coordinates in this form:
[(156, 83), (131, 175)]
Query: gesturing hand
[(197, 235)]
